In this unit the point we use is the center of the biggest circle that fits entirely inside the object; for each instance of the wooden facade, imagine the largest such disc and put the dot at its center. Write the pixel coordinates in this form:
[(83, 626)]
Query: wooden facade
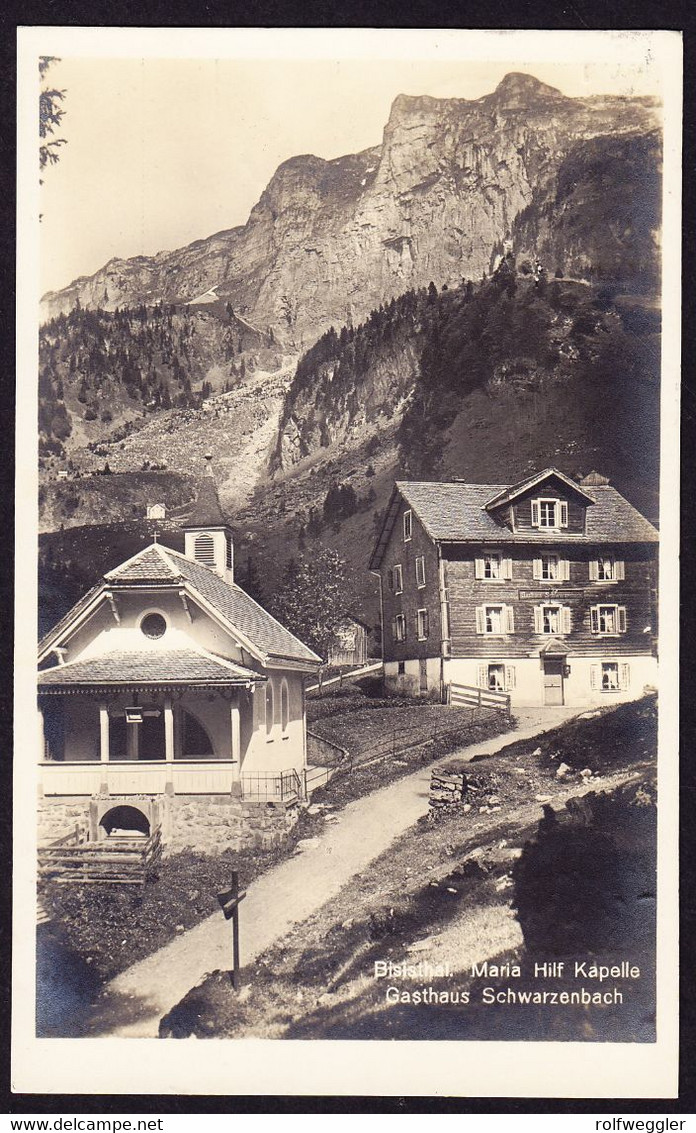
[(539, 596)]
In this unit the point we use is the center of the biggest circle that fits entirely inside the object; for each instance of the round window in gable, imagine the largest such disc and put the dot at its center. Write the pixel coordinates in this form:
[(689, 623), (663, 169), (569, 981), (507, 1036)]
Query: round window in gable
[(153, 626)]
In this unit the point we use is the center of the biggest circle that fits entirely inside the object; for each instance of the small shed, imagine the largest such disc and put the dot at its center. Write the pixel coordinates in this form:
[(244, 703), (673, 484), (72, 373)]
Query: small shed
[(349, 643), (156, 511)]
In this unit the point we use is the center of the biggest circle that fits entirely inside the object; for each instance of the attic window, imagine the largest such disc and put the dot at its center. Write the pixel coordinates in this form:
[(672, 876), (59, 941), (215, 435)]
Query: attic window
[(549, 513), (204, 550), (153, 626)]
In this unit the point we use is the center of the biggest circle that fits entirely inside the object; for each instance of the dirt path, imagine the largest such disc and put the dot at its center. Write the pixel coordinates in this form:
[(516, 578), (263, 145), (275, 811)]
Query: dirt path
[(133, 1003)]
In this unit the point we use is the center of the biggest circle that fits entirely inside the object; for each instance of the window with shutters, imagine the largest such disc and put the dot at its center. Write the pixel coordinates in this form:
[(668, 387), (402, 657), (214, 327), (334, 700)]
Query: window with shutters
[(552, 619), (606, 568), (497, 677), (228, 552), (204, 550), (551, 568), (399, 628), (610, 676), (408, 525), (493, 567), (398, 579), (549, 514), (494, 619), (420, 570), (422, 624), (608, 621)]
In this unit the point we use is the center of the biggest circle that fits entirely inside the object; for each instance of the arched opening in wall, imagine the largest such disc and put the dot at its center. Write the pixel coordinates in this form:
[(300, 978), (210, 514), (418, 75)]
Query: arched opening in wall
[(125, 821), (284, 707), (54, 729), (195, 741), (269, 708), (204, 550)]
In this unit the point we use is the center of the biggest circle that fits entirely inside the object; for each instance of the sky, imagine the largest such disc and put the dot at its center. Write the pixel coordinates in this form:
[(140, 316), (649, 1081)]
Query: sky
[(161, 152)]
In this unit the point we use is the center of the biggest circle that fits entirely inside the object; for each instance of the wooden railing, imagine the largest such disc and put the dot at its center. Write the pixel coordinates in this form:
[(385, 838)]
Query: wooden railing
[(115, 860), (332, 683), (272, 786), (470, 696), (143, 777)]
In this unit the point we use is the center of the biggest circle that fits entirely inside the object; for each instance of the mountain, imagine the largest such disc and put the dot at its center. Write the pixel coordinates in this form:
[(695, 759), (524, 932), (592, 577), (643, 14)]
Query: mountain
[(514, 373), (328, 241)]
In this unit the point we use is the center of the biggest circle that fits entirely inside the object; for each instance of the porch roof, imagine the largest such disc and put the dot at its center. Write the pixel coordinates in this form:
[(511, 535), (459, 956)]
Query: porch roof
[(147, 668)]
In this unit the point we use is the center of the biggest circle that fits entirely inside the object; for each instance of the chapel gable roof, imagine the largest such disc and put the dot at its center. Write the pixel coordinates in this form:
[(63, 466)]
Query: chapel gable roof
[(159, 565)]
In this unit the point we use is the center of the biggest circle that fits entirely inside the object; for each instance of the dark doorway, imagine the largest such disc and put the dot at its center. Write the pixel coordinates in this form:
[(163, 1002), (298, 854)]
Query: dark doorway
[(125, 818)]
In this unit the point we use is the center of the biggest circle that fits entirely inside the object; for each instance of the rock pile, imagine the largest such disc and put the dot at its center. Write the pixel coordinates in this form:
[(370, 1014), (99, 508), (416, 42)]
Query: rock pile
[(451, 785)]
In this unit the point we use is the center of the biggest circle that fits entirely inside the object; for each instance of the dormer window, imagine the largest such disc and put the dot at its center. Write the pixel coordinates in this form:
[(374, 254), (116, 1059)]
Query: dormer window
[(204, 550), (549, 514)]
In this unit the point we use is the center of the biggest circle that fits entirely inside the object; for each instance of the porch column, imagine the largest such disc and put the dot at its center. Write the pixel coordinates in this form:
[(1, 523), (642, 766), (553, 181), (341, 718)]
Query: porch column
[(104, 747), (42, 744), (169, 744), (42, 734), (236, 736)]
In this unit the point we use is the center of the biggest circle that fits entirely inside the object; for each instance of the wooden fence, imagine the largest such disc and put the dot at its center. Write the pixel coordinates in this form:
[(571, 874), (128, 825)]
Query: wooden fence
[(467, 695), (115, 860)]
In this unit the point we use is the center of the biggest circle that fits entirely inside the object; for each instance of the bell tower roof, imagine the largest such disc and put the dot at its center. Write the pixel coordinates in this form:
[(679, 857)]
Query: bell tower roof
[(206, 510)]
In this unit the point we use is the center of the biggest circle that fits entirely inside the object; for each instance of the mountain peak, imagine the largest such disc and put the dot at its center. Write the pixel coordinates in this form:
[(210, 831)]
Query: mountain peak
[(519, 90)]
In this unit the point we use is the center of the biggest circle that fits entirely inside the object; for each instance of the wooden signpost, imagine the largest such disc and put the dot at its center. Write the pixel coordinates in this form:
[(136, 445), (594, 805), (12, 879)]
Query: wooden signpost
[(229, 903)]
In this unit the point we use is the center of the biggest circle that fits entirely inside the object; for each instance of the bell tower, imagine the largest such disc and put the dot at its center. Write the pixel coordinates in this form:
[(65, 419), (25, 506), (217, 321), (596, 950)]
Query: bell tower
[(207, 534)]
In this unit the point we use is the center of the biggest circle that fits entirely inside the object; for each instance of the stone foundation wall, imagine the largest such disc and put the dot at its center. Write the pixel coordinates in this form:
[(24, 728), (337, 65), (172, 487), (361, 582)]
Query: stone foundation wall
[(60, 816), (210, 824)]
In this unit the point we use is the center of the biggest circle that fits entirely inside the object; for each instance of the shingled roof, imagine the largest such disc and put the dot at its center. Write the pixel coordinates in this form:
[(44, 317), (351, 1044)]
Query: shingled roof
[(242, 611), (150, 565), (168, 667), (456, 513)]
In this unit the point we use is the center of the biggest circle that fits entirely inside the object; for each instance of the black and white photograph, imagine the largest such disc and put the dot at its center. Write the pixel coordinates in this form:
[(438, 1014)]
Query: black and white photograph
[(347, 570)]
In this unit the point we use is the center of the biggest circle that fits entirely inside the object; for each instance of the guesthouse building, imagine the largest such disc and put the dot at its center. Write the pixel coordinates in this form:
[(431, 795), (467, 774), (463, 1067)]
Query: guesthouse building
[(544, 590)]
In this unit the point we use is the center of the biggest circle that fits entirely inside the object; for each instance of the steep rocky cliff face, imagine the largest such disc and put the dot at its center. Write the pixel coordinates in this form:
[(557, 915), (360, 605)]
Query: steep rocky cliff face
[(599, 217), (329, 241)]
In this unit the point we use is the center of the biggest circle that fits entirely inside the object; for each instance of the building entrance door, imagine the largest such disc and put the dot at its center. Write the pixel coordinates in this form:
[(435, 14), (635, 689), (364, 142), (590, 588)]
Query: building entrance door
[(553, 680), (423, 674)]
